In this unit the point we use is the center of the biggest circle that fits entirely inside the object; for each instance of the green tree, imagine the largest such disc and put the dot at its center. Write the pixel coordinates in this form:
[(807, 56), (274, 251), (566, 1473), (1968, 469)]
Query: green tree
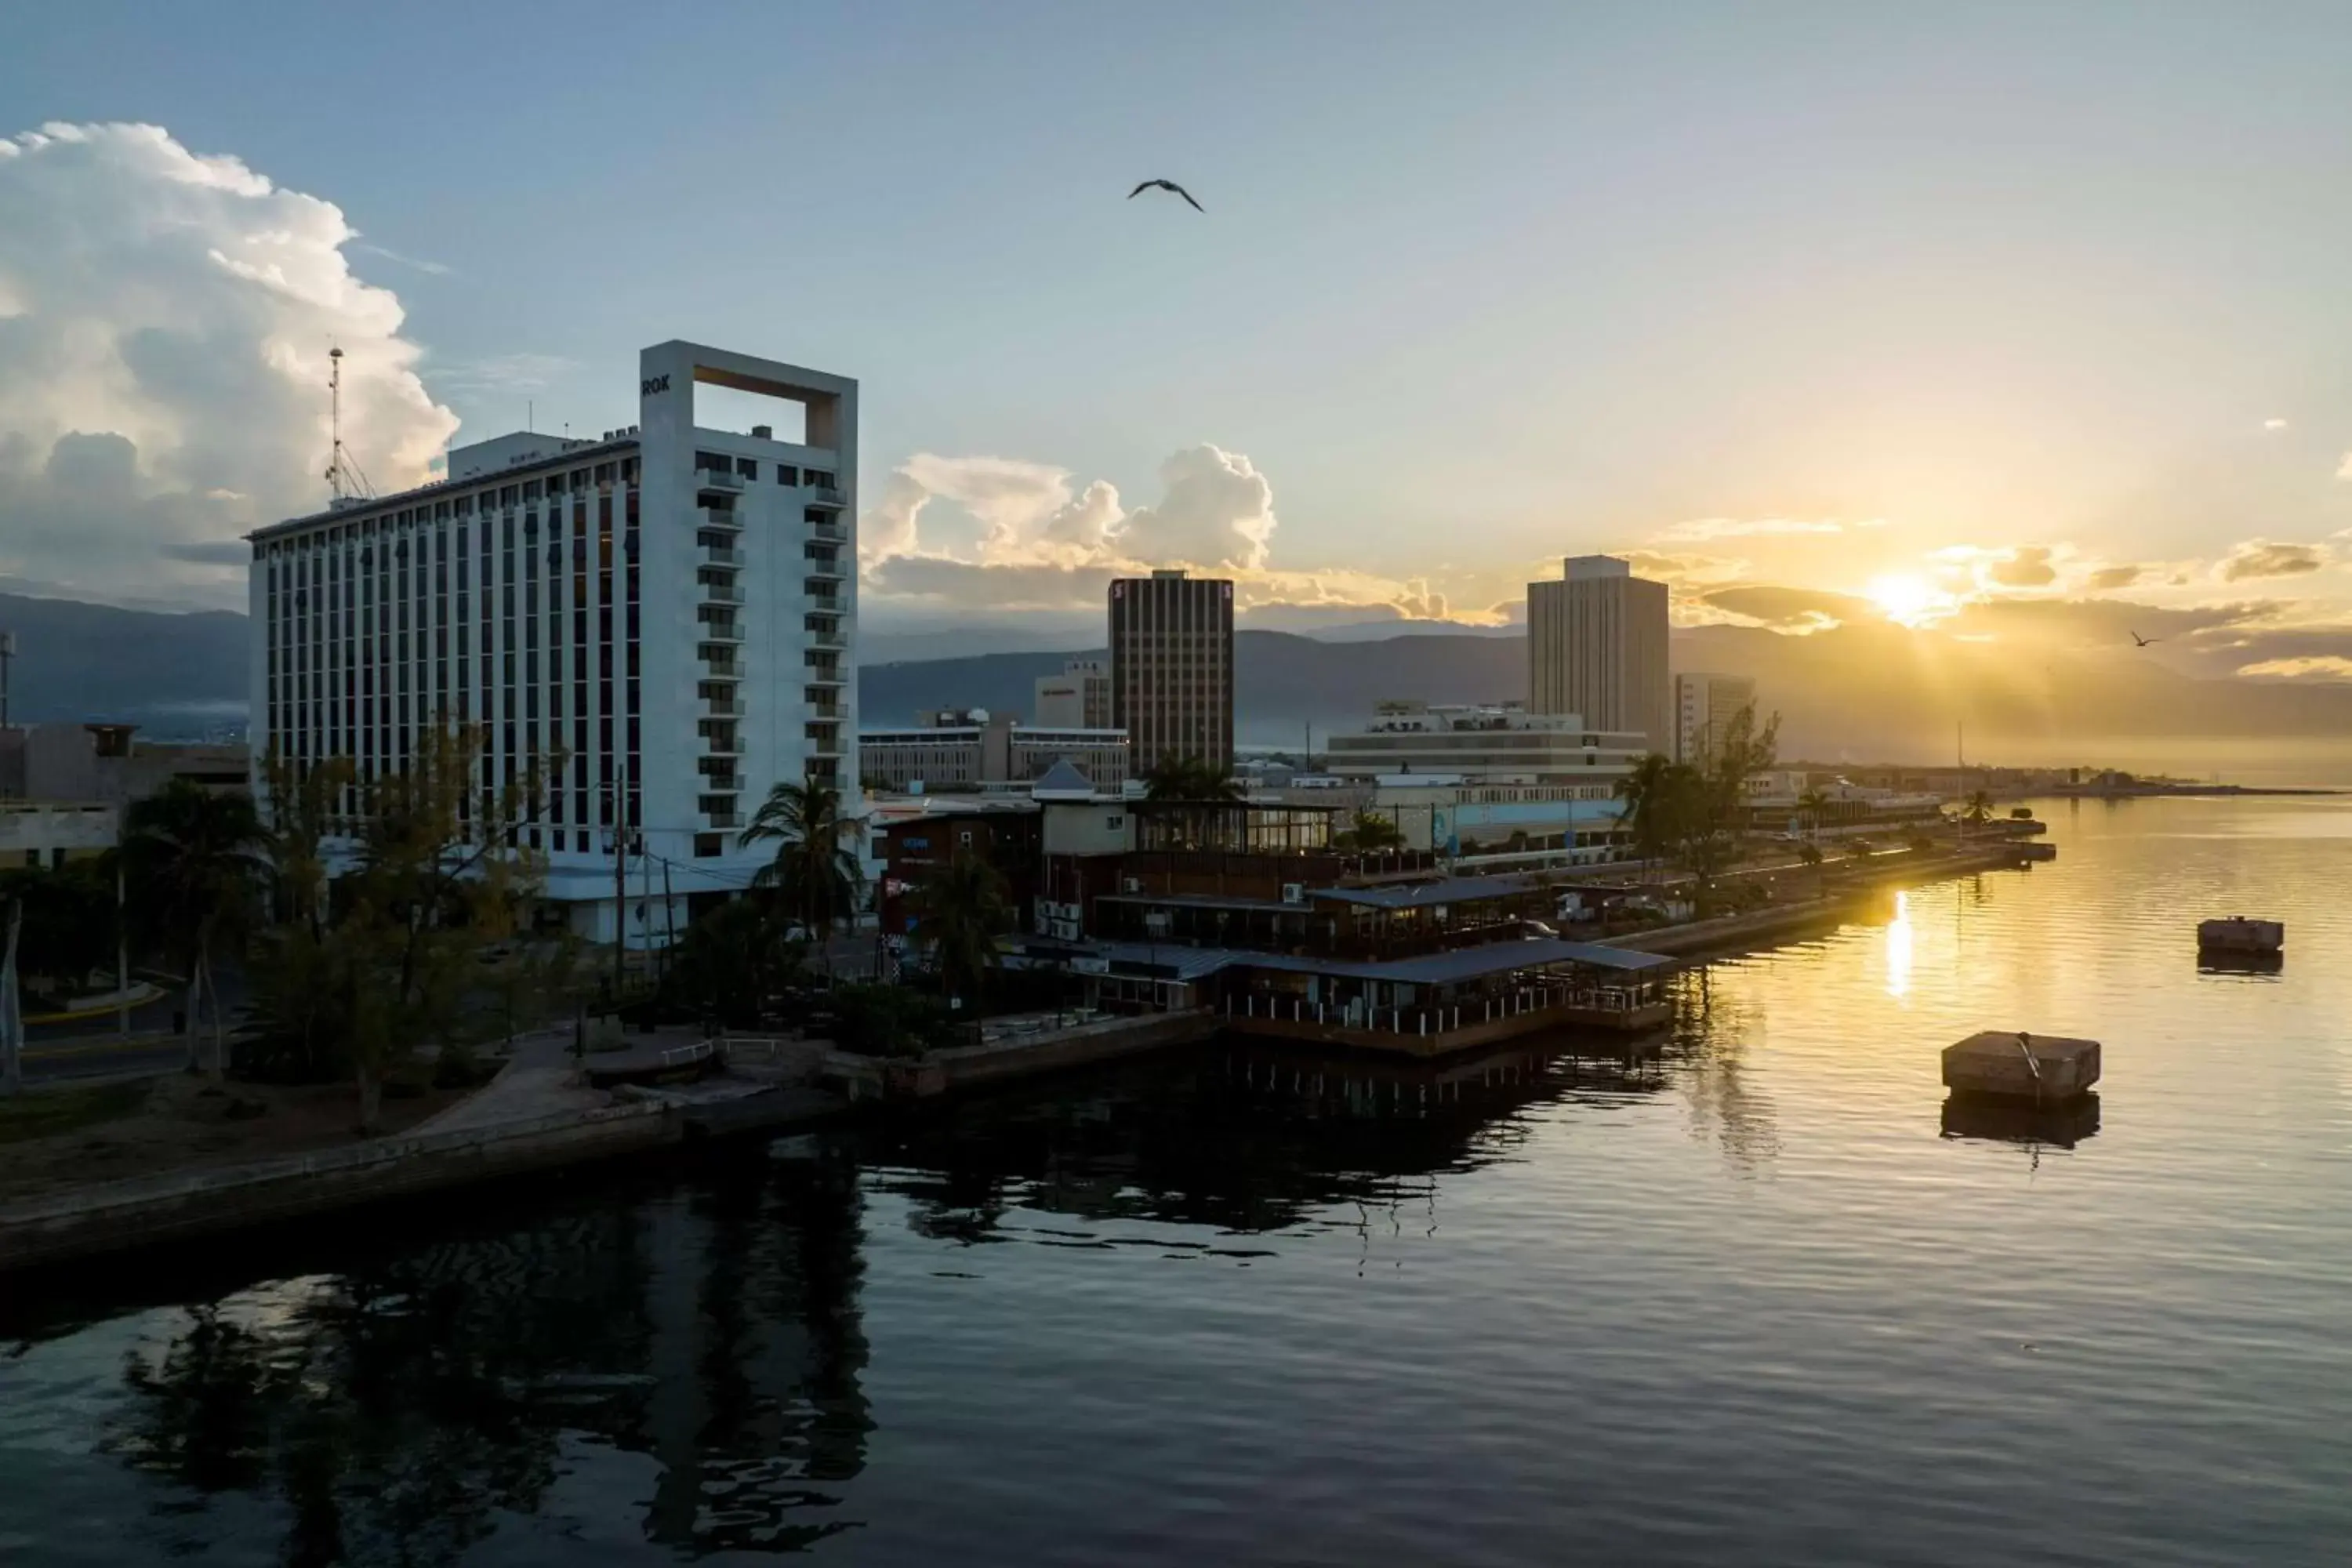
[(961, 910), (197, 858), (1190, 779), (1371, 833), (1715, 812), (815, 875), (439, 872), (69, 922), (1652, 800), (731, 961)]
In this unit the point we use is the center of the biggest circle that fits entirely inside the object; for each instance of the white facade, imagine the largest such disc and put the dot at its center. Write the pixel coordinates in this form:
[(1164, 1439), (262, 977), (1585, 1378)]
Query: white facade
[(667, 614), (1483, 745), (1597, 646), (1705, 706), (987, 752), (1077, 698)]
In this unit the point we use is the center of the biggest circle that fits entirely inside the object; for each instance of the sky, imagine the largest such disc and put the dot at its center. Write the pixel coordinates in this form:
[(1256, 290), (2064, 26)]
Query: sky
[(2023, 321)]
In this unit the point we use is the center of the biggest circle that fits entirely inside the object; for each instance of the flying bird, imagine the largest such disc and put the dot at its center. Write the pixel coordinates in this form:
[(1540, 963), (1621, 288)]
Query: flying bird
[(2139, 641), (1165, 186)]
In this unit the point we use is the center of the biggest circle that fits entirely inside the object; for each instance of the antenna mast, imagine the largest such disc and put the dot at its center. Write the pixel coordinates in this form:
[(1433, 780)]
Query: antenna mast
[(344, 476)]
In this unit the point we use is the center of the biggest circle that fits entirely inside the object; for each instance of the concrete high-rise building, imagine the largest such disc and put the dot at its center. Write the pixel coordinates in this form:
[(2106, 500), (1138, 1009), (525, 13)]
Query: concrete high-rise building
[(1597, 646), (1705, 706), (1077, 698), (665, 615), (1172, 663)]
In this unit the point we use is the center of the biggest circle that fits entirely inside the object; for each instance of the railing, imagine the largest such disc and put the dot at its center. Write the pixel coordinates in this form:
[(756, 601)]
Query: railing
[(714, 518), (721, 708), (718, 480), (720, 664), (712, 746), (722, 555), (1515, 1003), (829, 531), (828, 639), (681, 1056), (724, 818), (716, 631), (825, 496), (822, 569), (827, 603), (722, 593), (828, 710), (823, 677)]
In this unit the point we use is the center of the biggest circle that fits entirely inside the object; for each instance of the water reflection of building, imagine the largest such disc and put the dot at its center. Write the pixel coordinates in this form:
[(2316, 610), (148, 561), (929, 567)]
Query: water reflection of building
[(1244, 1138), (401, 1397)]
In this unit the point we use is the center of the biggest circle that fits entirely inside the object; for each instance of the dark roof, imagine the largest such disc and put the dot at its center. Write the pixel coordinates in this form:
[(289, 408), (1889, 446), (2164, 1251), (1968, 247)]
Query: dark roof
[(1199, 902), (1423, 895), (1466, 963)]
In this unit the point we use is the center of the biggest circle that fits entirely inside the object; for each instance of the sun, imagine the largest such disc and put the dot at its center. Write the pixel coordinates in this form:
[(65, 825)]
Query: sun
[(1908, 600)]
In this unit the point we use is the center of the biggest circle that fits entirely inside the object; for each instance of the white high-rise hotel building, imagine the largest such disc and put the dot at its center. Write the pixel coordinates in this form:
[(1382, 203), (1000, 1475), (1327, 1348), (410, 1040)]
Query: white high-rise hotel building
[(670, 610)]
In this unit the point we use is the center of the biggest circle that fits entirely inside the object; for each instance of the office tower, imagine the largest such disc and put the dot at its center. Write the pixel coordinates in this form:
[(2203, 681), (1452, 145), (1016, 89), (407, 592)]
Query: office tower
[(1597, 646), (1705, 706), (1171, 668)]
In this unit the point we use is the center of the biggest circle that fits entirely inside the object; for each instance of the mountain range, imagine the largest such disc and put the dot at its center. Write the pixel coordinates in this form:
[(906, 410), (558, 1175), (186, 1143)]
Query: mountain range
[(1857, 690)]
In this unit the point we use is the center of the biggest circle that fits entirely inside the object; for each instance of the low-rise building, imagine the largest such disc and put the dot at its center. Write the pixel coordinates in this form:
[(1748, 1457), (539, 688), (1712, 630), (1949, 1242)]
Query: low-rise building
[(47, 833), (1077, 698), (1483, 744), (969, 750), (108, 764)]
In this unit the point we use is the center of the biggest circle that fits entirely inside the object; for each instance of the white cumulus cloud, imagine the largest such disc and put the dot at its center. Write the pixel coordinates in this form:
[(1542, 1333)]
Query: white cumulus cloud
[(165, 322)]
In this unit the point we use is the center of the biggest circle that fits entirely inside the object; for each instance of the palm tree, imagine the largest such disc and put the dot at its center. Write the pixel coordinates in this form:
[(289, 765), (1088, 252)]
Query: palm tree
[(1369, 833), (1811, 805), (197, 854), (1192, 779), (960, 910), (1649, 794), (816, 873)]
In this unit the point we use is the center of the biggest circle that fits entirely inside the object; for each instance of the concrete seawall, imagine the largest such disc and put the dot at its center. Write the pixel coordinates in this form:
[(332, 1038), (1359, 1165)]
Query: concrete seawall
[(116, 1215), (974, 1066), (1733, 933)]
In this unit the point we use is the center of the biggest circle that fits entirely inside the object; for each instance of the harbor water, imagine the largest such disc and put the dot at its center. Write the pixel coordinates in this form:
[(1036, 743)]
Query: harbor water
[(1761, 1300)]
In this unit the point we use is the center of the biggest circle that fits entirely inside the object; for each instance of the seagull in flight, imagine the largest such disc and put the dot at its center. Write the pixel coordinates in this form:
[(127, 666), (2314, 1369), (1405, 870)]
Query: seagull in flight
[(1165, 186), (2139, 641)]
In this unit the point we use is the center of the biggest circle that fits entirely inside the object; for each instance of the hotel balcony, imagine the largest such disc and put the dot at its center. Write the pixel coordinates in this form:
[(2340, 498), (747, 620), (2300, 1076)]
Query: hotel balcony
[(722, 708), (716, 517), (832, 710), (828, 639), (828, 604), (720, 631), (722, 555), (822, 572), (718, 662), (825, 675), (829, 532), (718, 480), (724, 818), (826, 497), (728, 749), (720, 594)]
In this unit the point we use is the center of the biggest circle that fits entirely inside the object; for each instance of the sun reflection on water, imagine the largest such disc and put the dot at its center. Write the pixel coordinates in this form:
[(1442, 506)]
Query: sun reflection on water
[(1898, 948)]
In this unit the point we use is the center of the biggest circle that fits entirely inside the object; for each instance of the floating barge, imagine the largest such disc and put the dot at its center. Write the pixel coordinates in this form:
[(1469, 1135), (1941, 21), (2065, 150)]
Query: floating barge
[(2014, 1066), (2240, 937)]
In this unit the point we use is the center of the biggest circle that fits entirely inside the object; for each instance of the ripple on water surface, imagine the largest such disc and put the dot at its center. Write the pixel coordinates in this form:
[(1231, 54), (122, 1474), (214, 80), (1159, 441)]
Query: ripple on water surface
[(1760, 1300)]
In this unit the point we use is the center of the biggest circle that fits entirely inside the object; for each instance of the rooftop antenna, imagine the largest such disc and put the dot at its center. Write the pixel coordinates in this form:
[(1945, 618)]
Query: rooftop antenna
[(344, 476)]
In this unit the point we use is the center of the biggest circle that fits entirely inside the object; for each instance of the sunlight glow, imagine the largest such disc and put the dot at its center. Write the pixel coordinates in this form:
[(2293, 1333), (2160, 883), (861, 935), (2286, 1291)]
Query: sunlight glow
[(1906, 599), (1898, 948)]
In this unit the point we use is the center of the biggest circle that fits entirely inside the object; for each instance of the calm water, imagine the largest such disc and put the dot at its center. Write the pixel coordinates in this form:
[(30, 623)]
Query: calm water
[(1751, 1304)]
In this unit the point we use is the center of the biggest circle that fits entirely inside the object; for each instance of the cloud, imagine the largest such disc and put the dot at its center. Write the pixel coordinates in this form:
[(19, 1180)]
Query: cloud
[(2273, 423), (507, 373), (1791, 609), (1700, 530), (2344, 469), (1681, 570), (162, 361), (2097, 622), (2027, 566), (1017, 533), (2320, 667), (2105, 578), (2262, 558), (212, 553)]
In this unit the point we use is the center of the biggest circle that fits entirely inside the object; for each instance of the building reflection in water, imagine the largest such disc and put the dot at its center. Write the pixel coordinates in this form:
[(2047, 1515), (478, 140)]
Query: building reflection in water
[(1241, 1138), (392, 1409)]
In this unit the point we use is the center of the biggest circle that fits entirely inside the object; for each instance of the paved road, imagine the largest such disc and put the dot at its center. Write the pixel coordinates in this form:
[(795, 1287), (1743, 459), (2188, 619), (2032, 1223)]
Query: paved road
[(57, 1060)]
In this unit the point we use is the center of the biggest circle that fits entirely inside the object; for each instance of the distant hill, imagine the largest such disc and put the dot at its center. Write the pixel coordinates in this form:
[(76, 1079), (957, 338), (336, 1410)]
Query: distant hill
[(1855, 690), (171, 674)]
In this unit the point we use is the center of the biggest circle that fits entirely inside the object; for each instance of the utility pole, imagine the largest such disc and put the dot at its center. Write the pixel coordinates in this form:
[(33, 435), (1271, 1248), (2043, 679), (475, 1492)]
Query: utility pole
[(669, 921), (614, 800), (121, 955), (12, 1013)]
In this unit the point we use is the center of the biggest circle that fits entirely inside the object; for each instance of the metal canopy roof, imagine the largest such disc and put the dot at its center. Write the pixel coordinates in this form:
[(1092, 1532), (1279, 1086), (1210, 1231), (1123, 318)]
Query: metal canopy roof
[(1423, 895), (1464, 962)]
